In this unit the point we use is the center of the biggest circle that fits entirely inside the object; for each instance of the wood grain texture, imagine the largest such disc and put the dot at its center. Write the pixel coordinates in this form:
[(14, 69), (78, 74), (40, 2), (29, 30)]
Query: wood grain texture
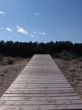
[(40, 86)]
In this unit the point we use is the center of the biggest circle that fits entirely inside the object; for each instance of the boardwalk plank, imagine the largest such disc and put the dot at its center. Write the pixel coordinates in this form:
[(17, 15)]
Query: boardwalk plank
[(40, 86)]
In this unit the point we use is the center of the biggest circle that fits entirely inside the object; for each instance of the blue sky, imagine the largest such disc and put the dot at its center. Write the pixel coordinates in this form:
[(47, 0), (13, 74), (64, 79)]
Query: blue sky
[(41, 20)]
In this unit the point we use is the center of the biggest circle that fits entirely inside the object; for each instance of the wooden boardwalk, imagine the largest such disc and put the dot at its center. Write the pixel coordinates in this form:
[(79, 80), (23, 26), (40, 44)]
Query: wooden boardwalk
[(40, 86)]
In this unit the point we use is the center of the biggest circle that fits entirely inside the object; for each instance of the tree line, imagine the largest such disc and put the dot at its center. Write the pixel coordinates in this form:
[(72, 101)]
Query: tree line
[(28, 49)]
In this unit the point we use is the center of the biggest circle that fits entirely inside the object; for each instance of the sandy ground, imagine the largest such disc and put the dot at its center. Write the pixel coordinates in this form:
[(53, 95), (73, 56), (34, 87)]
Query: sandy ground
[(11, 67), (72, 69), (9, 71)]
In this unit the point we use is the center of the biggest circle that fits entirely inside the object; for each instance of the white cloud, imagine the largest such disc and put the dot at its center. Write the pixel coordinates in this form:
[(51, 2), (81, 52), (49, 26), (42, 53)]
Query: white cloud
[(21, 30), (36, 14), (42, 33), (32, 35), (2, 12), (37, 34), (9, 29)]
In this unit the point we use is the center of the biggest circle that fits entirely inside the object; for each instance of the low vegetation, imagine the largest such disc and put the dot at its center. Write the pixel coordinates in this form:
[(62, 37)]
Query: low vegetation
[(67, 55), (28, 49), (72, 69), (10, 68)]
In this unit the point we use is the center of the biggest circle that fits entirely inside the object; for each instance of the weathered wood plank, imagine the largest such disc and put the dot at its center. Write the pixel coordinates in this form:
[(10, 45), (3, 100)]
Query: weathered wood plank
[(40, 86), (43, 107), (41, 102), (40, 93)]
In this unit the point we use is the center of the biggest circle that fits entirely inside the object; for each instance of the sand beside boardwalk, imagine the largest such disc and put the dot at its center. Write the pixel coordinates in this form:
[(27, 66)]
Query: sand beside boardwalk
[(8, 72), (72, 69)]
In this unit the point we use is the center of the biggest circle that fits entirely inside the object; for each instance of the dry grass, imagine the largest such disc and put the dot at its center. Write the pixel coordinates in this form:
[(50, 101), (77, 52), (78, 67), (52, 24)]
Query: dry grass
[(72, 69), (9, 70)]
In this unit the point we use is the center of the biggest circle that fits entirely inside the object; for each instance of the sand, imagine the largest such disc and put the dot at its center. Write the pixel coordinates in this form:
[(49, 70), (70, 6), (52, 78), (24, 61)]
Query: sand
[(9, 71), (72, 69)]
